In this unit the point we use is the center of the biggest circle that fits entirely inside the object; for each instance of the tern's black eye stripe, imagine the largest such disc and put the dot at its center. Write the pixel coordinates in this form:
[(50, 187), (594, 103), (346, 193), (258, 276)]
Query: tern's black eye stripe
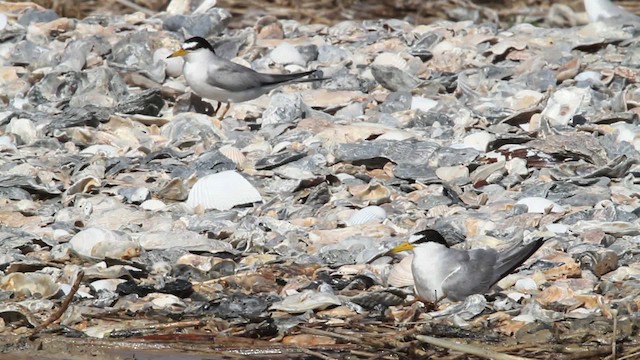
[(430, 235), (196, 43)]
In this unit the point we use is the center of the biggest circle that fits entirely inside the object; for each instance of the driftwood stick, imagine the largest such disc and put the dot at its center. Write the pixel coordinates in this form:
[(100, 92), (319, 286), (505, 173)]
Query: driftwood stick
[(136, 7), (467, 349), (63, 307), (315, 353)]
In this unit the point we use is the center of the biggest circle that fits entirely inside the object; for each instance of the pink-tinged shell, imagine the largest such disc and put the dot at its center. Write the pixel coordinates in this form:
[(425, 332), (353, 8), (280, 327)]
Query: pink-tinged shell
[(233, 153)]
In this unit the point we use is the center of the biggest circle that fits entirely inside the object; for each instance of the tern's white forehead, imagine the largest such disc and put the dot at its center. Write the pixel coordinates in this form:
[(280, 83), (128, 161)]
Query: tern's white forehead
[(190, 45)]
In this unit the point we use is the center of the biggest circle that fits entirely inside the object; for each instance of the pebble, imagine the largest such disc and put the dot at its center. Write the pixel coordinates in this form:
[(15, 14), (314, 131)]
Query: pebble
[(286, 209)]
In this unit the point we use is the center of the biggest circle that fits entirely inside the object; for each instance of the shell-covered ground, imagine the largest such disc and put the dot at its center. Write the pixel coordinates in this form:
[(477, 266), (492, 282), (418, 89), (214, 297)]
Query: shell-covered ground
[(136, 225)]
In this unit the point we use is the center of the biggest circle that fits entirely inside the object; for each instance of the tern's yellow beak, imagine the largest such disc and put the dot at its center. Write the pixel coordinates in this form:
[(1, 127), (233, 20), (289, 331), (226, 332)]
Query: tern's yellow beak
[(181, 52), (405, 246)]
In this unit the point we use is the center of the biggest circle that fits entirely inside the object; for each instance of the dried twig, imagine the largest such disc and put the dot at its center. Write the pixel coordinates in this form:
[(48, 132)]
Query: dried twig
[(633, 354), (614, 341), (136, 7), (63, 307), (349, 338), (316, 354), (155, 327), (467, 349)]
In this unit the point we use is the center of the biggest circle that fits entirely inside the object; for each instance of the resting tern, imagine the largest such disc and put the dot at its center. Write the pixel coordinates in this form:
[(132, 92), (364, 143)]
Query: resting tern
[(442, 272)]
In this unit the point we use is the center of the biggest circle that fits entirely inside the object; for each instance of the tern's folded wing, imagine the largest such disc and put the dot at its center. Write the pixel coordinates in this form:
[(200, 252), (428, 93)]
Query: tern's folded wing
[(475, 275), (233, 77)]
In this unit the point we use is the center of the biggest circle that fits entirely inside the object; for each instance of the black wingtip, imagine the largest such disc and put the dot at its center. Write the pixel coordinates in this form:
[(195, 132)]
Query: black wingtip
[(523, 253)]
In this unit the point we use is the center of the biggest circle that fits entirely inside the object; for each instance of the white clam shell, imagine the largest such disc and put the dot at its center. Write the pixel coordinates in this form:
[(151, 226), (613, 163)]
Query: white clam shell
[(526, 285), (107, 284), (222, 191), (401, 274), (173, 65), (100, 243), (391, 59), (540, 205), (153, 205), (367, 215), (285, 54)]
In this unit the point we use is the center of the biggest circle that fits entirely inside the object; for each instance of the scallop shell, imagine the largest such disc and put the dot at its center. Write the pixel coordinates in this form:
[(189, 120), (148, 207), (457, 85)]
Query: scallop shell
[(391, 59), (233, 153), (222, 191), (400, 274), (367, 215)]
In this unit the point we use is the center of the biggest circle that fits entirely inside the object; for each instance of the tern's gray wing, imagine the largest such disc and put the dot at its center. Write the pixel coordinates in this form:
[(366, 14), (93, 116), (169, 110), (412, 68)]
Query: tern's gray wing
[(474, 274), (235, 77)]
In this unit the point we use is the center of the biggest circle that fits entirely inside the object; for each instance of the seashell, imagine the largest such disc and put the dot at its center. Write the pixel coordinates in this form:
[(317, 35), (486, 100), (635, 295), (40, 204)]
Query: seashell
[(367, 215), (153, 205), (305, 301), (525, 285), (286, 54), (82, 186), (25, 129), (233, 153), (109, 151), (13, 312), (391, 59), (540, 205), (450, 173), (29, 285), (202, 263), (484, 171), (222, 191), (479, 140), (590, 77), (174, 190), (422, 103), (164, 302), (86, 240), (373, 193), (556, 294), (106, 284), (173, 66), (564, 104), (401, 274), (116, 249)]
